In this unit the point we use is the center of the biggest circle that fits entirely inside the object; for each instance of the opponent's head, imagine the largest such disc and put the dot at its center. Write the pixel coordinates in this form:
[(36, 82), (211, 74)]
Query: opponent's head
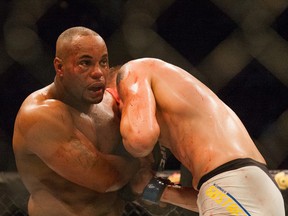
[(81, 63)]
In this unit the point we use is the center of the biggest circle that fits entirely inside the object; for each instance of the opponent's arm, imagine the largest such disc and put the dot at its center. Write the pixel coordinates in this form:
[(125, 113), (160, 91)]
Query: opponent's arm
[(138, 126), (185, 197), (162, 190), (51, 134), (137, 183)]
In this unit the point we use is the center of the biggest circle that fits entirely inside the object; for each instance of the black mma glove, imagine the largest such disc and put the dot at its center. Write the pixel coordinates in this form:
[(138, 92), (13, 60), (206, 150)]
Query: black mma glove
[(154, 189)]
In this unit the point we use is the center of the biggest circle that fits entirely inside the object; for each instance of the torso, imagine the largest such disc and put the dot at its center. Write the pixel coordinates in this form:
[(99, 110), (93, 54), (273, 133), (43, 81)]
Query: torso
[(53, 195), (198, 128)]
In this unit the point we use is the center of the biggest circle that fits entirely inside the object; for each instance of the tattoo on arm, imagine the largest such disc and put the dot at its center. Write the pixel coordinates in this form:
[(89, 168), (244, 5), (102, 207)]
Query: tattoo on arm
[(119, 78)]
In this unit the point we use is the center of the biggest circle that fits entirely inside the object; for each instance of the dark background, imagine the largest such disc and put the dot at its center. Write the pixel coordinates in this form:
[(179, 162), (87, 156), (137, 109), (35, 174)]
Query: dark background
[(237, 48)]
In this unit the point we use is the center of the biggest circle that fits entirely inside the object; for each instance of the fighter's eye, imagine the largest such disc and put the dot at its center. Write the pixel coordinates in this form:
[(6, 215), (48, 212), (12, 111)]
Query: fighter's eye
[(104, 62), (85, 62)]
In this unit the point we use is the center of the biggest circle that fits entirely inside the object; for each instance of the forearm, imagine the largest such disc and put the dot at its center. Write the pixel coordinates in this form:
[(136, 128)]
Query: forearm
[(139, 181), (161, 190), (125, 169), (185, 197), (140, 132)]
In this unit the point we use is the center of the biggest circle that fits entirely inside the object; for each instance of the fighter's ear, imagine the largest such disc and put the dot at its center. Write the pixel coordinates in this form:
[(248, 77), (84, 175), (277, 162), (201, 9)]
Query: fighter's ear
[(58, 64)]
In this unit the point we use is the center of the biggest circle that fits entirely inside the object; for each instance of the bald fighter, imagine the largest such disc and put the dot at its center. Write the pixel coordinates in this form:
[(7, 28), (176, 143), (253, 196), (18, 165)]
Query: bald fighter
[(162, 102), (66, 135)]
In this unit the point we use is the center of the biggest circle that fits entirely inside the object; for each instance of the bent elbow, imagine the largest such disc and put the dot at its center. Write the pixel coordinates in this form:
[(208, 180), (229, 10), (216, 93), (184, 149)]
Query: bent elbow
[(111, 189), (141, 145)]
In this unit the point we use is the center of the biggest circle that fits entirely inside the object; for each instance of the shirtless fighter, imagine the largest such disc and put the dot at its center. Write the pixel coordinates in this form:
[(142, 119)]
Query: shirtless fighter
[(65, 135), (160, 101)]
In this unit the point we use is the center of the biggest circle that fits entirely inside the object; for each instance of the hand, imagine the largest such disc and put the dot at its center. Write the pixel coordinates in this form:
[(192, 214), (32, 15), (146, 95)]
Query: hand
[(138, 182), (143, 176)]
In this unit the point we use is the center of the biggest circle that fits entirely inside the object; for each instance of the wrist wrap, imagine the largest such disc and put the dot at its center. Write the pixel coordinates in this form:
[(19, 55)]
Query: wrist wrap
[(154, 190)]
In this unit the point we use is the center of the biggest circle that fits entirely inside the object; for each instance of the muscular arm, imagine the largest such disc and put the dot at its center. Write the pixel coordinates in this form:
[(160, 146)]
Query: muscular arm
[(49, 132), (138, 127)]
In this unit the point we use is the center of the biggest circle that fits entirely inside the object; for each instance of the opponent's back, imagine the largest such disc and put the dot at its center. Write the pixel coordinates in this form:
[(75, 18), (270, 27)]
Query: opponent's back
[(200, 130)]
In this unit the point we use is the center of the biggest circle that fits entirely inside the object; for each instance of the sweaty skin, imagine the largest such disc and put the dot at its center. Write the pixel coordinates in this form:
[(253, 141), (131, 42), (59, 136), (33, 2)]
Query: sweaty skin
[(67, 133), (199, 129)]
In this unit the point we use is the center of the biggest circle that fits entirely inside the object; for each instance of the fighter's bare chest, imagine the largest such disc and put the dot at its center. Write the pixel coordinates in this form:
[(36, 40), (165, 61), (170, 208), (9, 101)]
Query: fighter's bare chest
[(100, 127)]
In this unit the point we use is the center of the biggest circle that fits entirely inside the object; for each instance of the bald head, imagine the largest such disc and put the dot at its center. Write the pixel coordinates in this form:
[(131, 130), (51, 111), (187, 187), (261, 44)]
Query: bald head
[(67, 37)]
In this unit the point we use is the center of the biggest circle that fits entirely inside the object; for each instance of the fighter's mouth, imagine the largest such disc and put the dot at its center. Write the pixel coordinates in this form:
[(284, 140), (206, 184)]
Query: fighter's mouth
[(96, 88)]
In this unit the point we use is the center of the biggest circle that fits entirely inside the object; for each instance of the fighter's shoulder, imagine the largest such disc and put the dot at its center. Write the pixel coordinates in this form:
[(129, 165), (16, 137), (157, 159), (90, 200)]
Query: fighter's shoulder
[(38, 108), (145, 62), (139, 66), (38, 103)]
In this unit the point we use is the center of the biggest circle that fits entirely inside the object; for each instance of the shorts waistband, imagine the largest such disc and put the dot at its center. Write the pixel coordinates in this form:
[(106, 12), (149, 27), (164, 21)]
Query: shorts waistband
[(232, 165)]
